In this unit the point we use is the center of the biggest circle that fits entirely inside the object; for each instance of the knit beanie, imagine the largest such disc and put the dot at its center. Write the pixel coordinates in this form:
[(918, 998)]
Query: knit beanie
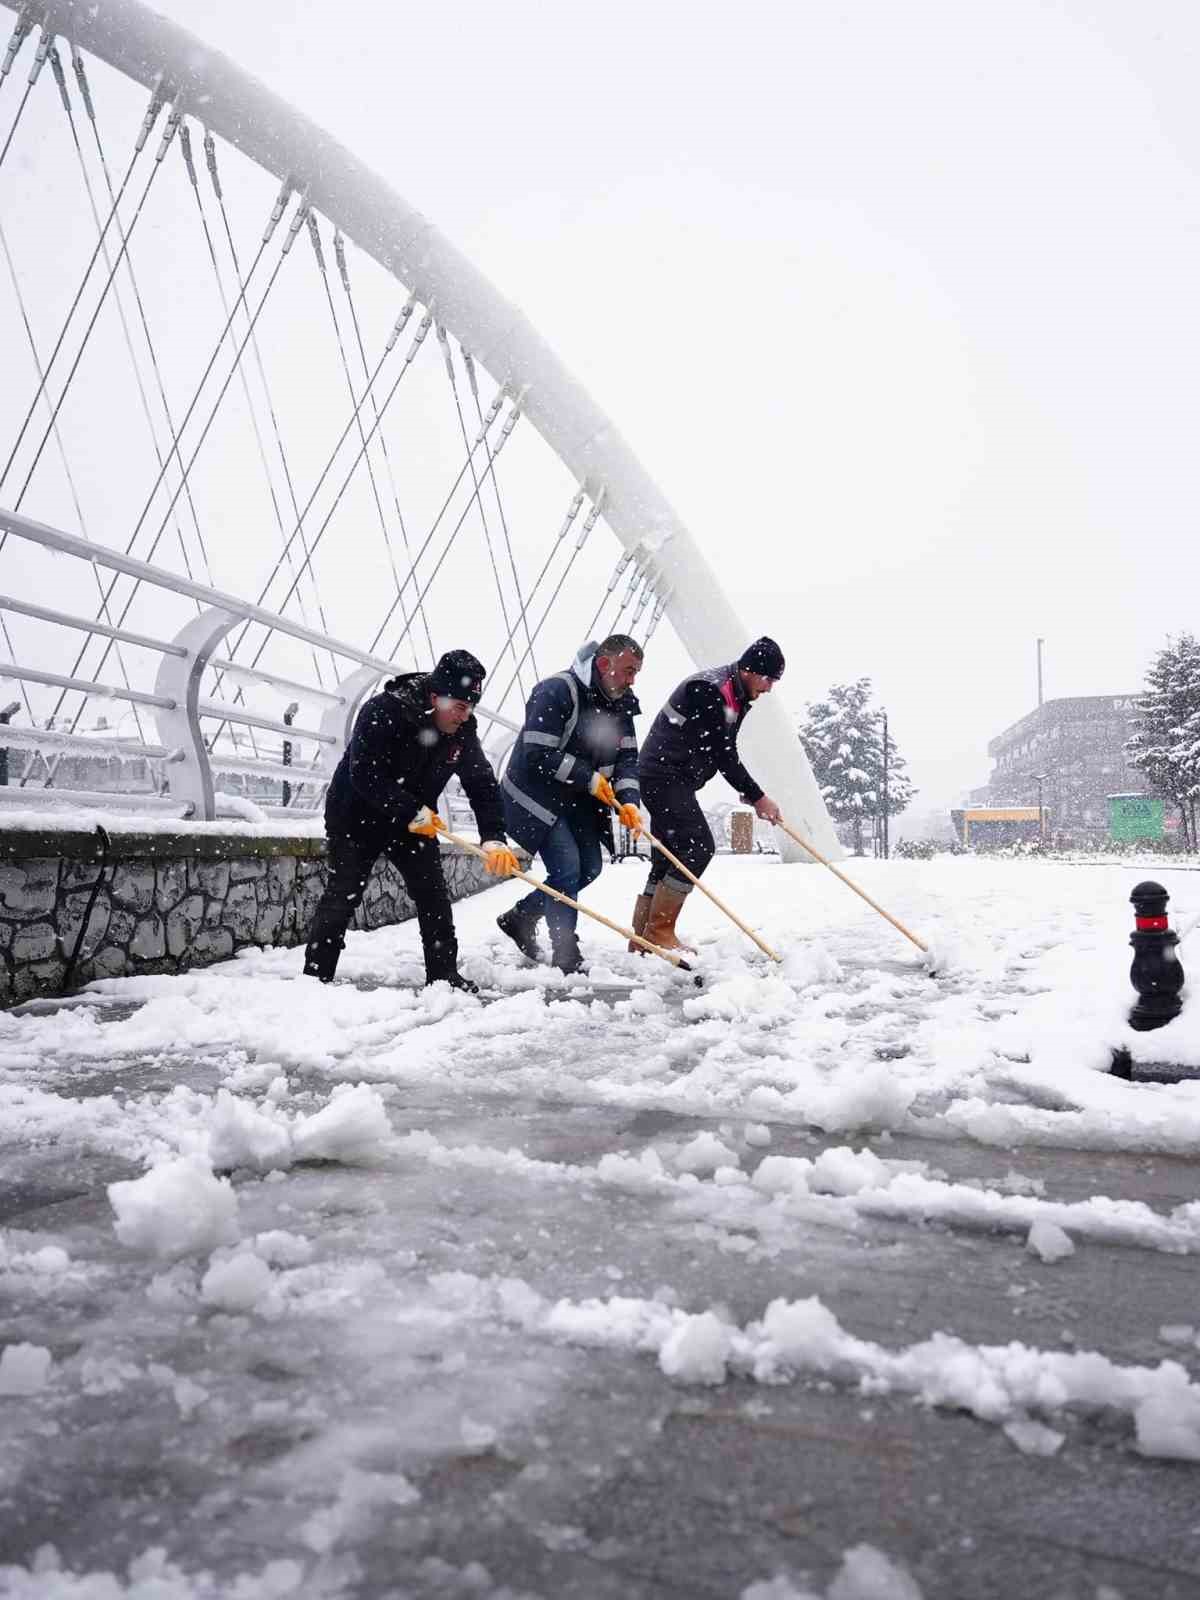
[(458, 676), (764, 657)]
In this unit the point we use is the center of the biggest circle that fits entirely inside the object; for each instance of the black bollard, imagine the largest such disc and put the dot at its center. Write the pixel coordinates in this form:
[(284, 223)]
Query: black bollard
[(1156, 972)]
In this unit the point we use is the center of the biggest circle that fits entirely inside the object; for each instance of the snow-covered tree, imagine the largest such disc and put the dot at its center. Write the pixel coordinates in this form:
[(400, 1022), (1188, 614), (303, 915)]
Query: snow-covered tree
[(1165, 744), (843, 736)]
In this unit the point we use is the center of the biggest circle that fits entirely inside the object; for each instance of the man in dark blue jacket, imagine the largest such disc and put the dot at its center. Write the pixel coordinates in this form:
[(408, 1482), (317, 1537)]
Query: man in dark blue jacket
[(408, 742), (693, 738), (574, 760)]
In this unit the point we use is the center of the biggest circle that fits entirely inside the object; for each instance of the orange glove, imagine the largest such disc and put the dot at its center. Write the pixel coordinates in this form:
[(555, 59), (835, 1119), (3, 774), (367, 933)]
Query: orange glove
[(427, 823), (602, 789), (499, 859), (630, 817)]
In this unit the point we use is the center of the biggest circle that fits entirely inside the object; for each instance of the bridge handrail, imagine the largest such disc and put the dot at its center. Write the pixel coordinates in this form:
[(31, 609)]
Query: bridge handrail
[(177, 702)]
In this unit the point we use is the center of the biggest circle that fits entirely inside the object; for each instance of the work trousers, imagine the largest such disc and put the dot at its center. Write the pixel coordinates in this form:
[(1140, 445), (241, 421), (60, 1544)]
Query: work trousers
[(418, 862), (676, 819), (571, 855)]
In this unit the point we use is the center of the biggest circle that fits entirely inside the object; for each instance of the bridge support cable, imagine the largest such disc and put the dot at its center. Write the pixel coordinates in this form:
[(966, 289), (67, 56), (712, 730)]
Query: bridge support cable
[(75, 500), (164, 144), (568, 522), (297, 531), (492, 413), (314, 234), (23, 27), (635, 577), (85, 95), (210, 161), (74, 493), (469, 364), (294, 227), (22, 30), (448, 357), (510, 423), (589, 522), (339, 251), (418, 340), (276, 214), (618, 571)]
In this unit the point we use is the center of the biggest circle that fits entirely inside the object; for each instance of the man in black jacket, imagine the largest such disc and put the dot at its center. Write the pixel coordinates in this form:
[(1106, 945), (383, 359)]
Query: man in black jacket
[(408, 742), (694, 737)]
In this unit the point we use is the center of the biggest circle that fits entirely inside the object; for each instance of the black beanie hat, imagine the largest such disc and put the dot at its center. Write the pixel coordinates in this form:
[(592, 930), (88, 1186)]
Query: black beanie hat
[(764, 657), (458, 676)]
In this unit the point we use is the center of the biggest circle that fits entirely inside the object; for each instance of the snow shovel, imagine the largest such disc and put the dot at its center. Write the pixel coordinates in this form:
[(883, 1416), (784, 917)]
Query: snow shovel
[(692, 878), (626, 933), (850, 884)]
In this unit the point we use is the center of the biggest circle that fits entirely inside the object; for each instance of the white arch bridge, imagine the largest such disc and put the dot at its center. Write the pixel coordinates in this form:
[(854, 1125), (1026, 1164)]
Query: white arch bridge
[(266, 436)]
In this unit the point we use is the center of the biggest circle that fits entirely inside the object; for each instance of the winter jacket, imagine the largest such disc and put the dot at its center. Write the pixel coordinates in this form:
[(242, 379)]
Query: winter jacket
[(694, 736), (572, 731), (397, 762)]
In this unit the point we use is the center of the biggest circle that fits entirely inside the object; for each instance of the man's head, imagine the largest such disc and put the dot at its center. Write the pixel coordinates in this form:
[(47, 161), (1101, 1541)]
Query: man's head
[(618, 662), (455, 688), (760, 667)]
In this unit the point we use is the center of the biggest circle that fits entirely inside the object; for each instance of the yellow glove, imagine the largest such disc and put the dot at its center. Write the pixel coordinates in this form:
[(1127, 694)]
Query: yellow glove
[(499, 859), (630, 817), (427, 823), (602, 789)]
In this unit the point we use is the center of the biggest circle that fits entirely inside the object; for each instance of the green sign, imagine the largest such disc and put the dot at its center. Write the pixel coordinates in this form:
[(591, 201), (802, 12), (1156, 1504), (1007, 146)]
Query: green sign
[(1134, 816)]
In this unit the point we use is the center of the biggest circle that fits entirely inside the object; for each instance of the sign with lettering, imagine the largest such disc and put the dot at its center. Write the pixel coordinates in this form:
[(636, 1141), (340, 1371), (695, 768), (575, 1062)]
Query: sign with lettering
[(1134, 816)]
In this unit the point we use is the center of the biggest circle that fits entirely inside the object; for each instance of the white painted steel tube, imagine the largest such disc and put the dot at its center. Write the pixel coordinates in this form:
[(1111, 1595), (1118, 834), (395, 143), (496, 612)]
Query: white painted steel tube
[(64, 619)]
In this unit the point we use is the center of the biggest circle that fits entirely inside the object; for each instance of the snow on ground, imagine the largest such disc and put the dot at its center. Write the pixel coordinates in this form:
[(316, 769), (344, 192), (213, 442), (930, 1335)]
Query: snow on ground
[(224, 1098), (1007, 1043)]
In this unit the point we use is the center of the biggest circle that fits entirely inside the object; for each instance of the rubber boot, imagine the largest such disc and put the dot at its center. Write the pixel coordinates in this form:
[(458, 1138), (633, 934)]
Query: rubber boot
[(664, 912), (641, 911)]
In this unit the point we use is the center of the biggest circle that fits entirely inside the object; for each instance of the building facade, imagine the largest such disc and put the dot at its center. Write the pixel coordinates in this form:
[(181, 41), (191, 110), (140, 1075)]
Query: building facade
[(1077, 748)]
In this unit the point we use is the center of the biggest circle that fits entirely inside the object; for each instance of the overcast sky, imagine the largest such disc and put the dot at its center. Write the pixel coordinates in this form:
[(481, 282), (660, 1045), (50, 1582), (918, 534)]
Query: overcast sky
[(896, 301)]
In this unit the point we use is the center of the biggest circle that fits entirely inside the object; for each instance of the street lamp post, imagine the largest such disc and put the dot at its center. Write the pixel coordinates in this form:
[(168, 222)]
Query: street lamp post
[(885, 787), (288, 717), (1039, 778)]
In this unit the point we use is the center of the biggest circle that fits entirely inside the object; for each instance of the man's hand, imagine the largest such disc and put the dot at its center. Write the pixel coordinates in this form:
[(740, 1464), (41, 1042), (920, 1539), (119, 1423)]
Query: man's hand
[(630, 817), (499, 859), (427, 823), (602, 789), (766, 809)]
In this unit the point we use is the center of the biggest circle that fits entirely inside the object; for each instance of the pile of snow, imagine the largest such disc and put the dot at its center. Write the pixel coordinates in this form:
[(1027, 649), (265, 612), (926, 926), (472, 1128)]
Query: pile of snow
[(1002, 1384), (152, 1576), (352, 1128), (865, 1574), (238, 1282), (178, 1208)]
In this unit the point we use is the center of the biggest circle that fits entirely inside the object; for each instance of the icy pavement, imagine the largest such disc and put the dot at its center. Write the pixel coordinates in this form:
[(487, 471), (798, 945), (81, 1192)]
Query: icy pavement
[(831, 1279)]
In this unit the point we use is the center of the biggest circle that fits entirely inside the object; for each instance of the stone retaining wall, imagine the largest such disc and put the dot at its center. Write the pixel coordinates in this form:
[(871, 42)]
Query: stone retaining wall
[(169, 901)]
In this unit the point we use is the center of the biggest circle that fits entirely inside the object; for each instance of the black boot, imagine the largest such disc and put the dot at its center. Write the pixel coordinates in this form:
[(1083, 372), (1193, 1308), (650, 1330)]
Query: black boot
[(321, 958), (567, 955), (456, 981), (521, 928)]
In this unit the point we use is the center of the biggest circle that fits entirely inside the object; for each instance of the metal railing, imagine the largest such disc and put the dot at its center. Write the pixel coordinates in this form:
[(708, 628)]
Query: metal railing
[(185, 760)]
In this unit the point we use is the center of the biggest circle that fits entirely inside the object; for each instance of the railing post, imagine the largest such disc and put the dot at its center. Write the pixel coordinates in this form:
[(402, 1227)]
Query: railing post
[(179, 680)]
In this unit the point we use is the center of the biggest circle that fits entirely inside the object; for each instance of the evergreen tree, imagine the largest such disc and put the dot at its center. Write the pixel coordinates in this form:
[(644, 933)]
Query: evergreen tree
[(1165, 744), (843, 736)]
